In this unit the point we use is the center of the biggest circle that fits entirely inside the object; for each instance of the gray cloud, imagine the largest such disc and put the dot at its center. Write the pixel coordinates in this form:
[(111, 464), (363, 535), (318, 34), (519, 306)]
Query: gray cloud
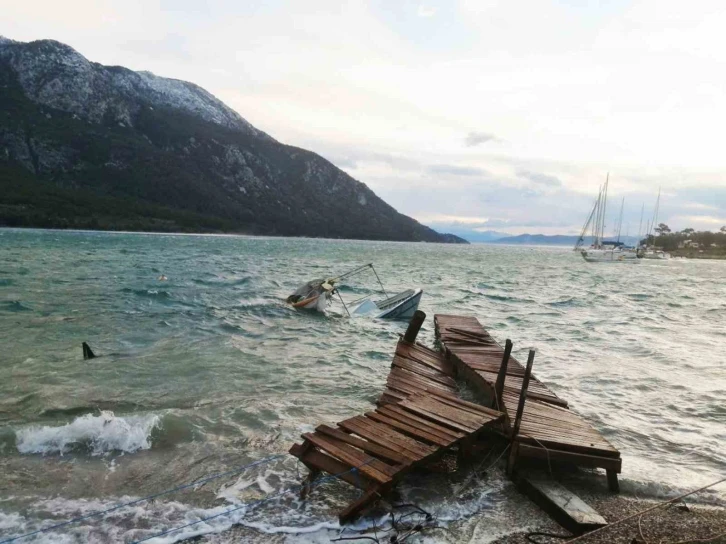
[(477, 138), (453, 170), (539, 178)]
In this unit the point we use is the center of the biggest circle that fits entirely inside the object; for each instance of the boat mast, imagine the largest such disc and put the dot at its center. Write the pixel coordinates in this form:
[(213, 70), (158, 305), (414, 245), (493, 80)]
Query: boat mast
[(620, 222), (640, 226), (654, 224), (596, 224), (581, 239), (604, 208)]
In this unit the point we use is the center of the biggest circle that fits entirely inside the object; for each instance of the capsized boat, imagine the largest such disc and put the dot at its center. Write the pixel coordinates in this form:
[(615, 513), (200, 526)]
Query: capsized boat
[(313, 295), (400, 306)]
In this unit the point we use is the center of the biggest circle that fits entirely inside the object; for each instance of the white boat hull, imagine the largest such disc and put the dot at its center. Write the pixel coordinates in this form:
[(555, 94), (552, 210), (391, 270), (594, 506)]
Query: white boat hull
[(400, 306), (608, 256)]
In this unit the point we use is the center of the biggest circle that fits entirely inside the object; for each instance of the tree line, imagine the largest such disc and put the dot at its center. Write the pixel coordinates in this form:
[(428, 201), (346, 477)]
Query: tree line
[(669, 241)]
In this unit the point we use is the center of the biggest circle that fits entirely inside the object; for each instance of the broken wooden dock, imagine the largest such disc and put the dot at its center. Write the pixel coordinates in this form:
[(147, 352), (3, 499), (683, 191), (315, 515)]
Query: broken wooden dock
[(419, 417), (538, 422)]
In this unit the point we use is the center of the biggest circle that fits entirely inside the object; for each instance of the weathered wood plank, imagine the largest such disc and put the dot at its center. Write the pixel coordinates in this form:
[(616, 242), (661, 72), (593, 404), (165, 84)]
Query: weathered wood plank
[(415, 432), (368, 465), (562, 505), (363, 445), (397, 412)]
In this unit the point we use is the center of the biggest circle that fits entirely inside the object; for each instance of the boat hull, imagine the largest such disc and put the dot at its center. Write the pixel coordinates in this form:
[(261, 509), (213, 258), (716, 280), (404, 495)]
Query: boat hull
[(405, 309), (608, 256), (400, 306)]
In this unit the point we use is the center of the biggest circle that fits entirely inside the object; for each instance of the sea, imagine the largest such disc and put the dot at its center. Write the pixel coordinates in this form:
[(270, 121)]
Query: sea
[(202, 370)]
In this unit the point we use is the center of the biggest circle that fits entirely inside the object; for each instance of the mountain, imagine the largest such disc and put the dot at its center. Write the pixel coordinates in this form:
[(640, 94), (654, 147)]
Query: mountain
[(555, 240), (84, 145), (471, 235)]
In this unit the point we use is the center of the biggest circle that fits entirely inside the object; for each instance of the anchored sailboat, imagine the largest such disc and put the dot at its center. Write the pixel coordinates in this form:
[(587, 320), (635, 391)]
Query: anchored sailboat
[(603, 250), (653, 252)]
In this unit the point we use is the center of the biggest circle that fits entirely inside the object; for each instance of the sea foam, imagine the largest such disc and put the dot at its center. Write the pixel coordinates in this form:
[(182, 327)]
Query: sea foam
[(98, 434)]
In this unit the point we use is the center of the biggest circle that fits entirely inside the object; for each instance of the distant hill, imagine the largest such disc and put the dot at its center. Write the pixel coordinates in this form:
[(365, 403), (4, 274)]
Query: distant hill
[(554, 240), (84, 145), (473, 235)]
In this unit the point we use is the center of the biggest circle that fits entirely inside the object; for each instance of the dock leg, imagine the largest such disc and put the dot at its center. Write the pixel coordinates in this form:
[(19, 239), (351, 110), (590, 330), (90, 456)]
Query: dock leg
[(613, 484), (512, 460), (309, 479), (465, 449), (414, 326)]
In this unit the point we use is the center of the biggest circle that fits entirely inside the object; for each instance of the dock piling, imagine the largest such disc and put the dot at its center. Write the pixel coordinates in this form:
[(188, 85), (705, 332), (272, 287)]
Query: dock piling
[(523, 394), (414, 326), (502, 376)]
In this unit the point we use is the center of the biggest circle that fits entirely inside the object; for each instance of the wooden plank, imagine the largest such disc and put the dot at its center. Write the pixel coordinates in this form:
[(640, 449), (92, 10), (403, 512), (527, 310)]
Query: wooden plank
[(373, 436), (422, 370), (396, 412), (404, 441), (357, 507), (417, 433), (464, 404), (321, 461), (386, 437), (473, 421), (368, 447), (411, 378), (426, 413), (578, 459), (349, 455), (561, 504)]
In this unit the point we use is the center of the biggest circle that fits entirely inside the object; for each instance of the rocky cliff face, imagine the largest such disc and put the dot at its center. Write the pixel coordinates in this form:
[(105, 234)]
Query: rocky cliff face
[(91, 146)]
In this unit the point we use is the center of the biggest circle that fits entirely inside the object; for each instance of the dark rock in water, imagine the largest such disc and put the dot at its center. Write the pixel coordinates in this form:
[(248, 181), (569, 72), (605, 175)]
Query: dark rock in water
[(84, 145)]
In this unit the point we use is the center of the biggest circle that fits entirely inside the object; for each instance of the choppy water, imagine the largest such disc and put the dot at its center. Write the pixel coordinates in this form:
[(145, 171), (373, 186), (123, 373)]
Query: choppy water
[(210, 370)]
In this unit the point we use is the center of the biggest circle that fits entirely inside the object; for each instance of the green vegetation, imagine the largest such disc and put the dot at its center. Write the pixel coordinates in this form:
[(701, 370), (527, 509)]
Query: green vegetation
[(689, 242)]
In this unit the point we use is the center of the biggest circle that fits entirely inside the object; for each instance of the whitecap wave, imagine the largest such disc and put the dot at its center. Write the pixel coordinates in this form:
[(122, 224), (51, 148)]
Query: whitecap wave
[(98, 434)]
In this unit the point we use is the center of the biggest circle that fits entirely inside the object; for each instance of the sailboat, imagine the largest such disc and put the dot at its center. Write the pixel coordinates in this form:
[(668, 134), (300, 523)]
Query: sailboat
[(603, 250), (318, 294), (653, 252)]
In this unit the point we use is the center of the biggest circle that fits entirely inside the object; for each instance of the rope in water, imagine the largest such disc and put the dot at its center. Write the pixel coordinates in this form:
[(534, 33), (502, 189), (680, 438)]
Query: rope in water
[(255, 503), (147, 498)]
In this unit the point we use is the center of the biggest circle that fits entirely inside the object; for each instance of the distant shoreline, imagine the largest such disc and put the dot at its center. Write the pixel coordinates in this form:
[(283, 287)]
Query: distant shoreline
[(222, 235)]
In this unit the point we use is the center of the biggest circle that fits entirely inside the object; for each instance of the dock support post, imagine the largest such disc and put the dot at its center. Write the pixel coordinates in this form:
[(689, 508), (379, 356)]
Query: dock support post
[(87, 353), (513, 454), (499, 386), (414, 326), (613, 484), (523, 394)]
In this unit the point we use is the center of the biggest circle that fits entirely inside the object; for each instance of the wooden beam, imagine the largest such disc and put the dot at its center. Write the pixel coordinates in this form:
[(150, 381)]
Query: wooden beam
[(414, 326), (523, 393), (499, 386), (560, 503), (578, 459)]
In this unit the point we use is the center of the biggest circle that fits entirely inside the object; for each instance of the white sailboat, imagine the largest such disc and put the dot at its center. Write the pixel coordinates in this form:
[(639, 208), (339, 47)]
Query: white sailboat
[(653, 252), (603, 250)]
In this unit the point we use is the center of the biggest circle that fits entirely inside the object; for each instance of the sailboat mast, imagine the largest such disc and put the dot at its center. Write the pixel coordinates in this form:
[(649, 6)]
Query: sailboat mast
[(640, 227), (657, 211), (596, 224), (620, 221), (604, 208)]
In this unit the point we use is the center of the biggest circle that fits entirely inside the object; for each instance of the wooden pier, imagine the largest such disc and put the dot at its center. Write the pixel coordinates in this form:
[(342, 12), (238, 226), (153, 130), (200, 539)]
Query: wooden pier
[(537, 421), (420, 415)]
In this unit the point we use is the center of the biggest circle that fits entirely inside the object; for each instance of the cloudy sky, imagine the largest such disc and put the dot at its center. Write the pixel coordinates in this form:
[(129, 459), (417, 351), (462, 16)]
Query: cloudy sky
[(493, 114)]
